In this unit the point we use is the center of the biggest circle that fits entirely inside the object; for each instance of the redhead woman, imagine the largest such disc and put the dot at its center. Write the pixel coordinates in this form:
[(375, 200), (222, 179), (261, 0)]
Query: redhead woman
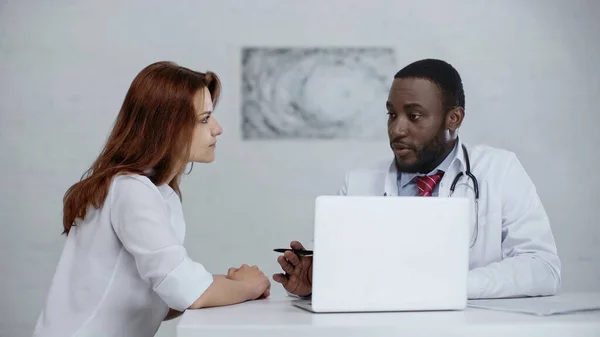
[(124, 268)]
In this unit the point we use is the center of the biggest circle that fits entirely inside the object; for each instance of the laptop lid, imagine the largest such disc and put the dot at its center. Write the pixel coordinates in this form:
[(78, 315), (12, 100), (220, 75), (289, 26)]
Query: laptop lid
[(390, 253)]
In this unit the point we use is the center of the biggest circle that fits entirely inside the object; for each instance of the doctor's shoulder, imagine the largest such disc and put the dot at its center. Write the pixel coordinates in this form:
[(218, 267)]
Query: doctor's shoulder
[(486, 159), (484, 154)]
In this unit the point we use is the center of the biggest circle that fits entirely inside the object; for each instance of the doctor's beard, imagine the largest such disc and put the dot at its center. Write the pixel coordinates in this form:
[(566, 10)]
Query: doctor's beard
[(428, 156)]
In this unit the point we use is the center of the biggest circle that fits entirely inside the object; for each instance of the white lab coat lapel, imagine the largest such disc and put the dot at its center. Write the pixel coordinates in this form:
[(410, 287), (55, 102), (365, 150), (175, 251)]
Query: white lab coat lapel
[(457, 166), (464, 187)]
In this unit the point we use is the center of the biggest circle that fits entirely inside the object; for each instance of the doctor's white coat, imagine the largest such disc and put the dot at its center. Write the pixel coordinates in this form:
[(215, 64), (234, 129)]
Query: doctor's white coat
[(515, 253)]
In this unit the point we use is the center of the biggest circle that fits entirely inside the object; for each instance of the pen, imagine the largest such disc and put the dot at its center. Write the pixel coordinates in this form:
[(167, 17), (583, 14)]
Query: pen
[(301, 252)]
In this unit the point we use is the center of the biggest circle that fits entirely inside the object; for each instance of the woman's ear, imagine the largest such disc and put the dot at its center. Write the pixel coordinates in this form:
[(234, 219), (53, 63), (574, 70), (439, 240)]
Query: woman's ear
[(454, 118)]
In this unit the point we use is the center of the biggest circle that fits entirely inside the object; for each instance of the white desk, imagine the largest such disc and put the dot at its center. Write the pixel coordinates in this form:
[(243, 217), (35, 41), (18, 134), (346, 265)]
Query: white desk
[(277, 317)]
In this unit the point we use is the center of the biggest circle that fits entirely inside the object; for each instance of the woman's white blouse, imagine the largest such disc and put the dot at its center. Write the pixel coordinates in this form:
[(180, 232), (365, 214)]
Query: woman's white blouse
[(124, 266)]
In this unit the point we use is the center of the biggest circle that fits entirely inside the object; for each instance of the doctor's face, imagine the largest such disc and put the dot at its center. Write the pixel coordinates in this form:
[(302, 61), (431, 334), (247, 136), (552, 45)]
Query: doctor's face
[(417, 125)]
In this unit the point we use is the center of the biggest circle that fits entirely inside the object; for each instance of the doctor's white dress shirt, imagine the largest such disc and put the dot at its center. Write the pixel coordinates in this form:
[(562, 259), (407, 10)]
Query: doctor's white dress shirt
[(515, 253), (123, 267)]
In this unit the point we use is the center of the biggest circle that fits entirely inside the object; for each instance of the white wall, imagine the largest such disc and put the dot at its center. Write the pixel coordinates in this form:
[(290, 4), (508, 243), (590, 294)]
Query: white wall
[(529, 68)]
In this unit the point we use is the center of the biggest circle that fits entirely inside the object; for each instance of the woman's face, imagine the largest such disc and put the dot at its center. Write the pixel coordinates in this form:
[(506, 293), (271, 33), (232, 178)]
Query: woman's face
[(204, 140)]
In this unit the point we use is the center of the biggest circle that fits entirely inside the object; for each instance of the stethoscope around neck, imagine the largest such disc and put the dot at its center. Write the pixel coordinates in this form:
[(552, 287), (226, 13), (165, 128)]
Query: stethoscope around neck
[(467, 173)]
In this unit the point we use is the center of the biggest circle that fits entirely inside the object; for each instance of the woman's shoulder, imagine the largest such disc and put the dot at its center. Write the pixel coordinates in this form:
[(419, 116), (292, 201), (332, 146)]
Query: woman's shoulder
[(133, 186), (139, 189), (132, 179)]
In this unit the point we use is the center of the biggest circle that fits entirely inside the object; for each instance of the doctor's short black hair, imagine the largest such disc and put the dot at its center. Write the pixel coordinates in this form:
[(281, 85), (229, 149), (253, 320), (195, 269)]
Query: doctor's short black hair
[(443, 75)]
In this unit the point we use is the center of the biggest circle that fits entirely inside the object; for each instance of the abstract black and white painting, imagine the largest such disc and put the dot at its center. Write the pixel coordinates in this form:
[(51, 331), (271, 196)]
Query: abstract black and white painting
[(324, 93)]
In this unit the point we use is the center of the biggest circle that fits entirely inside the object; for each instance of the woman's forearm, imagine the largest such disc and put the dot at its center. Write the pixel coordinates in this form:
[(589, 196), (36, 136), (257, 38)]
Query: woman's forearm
[(223, 291)]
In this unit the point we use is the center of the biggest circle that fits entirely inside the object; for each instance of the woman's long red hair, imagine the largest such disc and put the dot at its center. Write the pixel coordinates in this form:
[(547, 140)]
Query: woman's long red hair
[(152, 133)]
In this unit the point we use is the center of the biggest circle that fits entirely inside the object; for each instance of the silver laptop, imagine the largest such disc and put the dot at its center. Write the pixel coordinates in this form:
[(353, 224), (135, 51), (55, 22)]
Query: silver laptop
[(389, 254)]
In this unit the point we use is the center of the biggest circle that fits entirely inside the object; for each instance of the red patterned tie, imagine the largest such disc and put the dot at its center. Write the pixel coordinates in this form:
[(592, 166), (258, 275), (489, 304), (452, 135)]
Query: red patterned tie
[(426, 184)]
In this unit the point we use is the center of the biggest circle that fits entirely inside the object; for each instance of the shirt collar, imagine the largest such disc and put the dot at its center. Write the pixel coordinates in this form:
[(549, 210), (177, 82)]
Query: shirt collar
[(455, 155)]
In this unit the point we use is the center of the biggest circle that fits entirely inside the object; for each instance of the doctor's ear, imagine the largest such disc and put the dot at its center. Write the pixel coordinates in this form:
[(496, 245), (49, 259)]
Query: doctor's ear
[(454, 118)]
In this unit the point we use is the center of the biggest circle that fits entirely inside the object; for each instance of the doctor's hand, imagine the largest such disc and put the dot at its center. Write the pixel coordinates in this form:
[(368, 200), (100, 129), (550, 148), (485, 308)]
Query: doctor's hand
[(297, 279)]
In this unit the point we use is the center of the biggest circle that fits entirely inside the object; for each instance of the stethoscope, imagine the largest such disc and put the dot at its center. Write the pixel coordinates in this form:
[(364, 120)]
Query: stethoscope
[(471, 176), (468, 176)]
